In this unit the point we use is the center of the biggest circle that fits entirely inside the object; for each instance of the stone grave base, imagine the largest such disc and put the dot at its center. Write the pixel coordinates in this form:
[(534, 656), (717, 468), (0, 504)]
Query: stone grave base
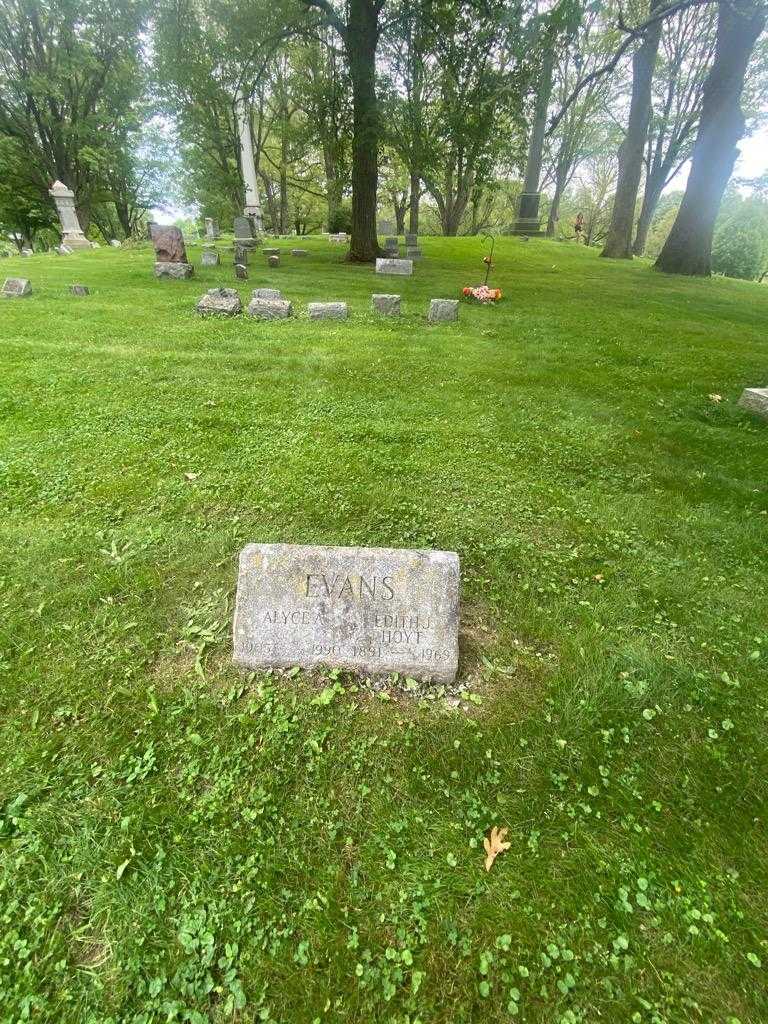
[(177, 270)]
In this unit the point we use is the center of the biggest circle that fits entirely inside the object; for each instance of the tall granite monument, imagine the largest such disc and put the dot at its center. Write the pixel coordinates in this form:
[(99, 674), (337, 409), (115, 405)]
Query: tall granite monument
[(72, 234)]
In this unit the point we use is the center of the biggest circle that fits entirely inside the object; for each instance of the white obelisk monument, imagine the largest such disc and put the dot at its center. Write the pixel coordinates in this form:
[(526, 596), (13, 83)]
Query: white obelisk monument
[(72, 233), (252, 207)]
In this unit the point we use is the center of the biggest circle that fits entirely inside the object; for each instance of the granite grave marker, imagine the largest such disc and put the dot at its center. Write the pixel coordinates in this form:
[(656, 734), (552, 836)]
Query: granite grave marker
[(371, 610)]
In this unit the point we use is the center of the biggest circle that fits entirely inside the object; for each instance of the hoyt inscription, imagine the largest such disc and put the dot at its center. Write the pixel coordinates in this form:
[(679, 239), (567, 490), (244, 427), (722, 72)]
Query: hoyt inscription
[(306, 606)]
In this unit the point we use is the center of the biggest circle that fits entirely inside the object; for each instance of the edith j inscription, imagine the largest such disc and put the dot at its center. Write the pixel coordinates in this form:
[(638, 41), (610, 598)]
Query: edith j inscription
[(373, 610)]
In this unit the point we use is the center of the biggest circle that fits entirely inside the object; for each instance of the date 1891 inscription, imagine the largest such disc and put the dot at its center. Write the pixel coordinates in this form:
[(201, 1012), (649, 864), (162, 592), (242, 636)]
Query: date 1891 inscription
[(373, 610)]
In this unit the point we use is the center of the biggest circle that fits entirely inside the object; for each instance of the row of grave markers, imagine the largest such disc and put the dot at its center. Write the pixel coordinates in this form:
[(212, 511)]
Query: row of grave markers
[(269, 304)]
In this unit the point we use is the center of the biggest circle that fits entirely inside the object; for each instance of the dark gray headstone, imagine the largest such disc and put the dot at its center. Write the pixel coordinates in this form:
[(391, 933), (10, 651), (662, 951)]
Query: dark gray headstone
[(371, 610), (241, 272), (243, 229), (79, 289)]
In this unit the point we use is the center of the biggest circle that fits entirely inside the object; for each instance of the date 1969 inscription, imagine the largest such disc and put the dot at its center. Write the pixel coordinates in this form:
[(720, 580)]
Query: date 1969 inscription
[(373, 610)]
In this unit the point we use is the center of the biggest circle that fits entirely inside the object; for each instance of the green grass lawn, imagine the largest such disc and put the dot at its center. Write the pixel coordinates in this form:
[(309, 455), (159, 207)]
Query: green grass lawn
[(182, 842)]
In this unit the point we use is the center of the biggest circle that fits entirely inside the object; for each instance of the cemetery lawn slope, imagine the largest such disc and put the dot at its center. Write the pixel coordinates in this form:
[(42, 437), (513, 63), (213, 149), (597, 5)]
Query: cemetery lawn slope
[(183, 842)]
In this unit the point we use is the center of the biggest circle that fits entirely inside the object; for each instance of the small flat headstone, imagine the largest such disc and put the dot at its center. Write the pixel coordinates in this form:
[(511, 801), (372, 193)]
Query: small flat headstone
[(16, 288), (266, 293), (210, 258), (219, 302), (273, 261), (371, 610), (402, 268), (327, 311), (387, 305), (299, 252), (270, 309), (270, 251), (177, 270), (79, 289), (115, 243), (241, 272), (755, 400), (443, 310), (27, 252)]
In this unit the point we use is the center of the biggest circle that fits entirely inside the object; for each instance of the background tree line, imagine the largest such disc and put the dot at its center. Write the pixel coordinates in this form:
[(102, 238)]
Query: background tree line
[(432, 113)]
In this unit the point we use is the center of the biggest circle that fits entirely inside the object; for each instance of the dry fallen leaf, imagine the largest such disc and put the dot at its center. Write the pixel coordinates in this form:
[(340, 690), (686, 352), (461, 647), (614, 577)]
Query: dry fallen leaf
[(191, 476), (494, 845)]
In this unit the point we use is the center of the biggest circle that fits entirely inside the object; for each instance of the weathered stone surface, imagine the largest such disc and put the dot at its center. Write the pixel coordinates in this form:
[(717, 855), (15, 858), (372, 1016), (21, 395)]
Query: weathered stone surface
[(327, 311), (391, 243), (413, 252), (79, 289), (266, 293), (372, 610), (386, 227), (211, 228), (755, 400), (244, 230), (71, 232), (16, 288), (27, 252), (220, 302), (299, 252), (340, 238), (169, 244), (273, 261), (443, 310), (210, 258), (241, 254), (178, 270), (270, 309), (115, 243), (241, 272), (403, 268), (411, 238), (388, 305), (64, 250)]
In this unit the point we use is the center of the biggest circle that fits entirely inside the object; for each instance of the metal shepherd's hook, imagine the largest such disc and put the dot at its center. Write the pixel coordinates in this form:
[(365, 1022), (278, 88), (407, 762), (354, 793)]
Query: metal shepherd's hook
[(488, 260)]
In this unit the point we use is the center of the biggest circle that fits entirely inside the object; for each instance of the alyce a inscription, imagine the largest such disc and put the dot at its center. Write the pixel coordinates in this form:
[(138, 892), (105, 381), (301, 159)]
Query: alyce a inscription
[(372, 610)]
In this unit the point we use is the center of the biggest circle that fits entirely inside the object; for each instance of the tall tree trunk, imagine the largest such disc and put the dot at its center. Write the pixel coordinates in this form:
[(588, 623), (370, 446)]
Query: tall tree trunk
[(688, 248), (618, 244), (399, 206), (527, 222), (361, 39), (651, 198), (554, 208), (413, 207)]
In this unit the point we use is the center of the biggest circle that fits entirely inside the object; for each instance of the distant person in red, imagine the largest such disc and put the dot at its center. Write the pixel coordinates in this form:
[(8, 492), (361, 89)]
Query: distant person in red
[(578, 226)]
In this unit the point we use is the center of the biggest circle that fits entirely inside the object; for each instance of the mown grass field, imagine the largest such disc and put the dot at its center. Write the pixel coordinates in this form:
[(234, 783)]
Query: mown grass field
[(181, 842)]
